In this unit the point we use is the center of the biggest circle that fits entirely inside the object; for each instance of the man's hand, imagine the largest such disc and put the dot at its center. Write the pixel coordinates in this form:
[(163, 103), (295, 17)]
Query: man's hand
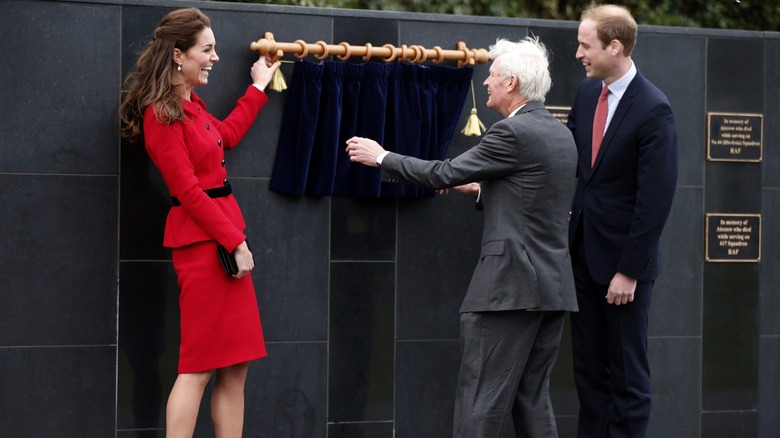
[(466, 189), (364, 151), (621, 289)]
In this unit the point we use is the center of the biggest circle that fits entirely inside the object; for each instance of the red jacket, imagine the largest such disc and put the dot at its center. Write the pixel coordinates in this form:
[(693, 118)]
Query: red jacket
[(190, 156)]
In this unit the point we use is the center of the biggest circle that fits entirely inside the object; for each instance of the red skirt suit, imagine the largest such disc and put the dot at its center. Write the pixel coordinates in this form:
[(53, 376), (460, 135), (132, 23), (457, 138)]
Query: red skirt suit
[(220, 321)]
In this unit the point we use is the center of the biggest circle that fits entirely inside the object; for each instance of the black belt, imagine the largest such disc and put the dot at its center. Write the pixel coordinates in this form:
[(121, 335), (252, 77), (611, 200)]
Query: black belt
[(216, 192)]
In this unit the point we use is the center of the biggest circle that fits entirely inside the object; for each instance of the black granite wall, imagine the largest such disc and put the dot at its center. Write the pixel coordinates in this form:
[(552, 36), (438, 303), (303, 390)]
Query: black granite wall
[(358, 298)]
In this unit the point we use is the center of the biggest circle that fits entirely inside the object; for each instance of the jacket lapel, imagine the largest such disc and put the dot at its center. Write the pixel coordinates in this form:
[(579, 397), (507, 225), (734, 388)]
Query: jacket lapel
[(620, 113)]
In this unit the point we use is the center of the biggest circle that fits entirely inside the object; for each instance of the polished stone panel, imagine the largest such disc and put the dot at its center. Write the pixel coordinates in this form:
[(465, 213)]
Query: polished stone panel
[(60, 88), (148, 343), (361, 343), (144, 205), (57, 391), (769, 277), (771, 162), (729, 425), (567, 425), (735, 75), (59, 258), (768, 384), (730, 362), (286, 392), (358, 31), (732, 187), (289, 239), (674, 360), (362, 229), (438, 247), (427, 373), (563, 392), (676, 309)]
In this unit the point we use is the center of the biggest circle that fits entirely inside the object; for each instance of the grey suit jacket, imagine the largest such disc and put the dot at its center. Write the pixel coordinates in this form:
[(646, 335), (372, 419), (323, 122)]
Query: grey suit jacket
[(526, 168)]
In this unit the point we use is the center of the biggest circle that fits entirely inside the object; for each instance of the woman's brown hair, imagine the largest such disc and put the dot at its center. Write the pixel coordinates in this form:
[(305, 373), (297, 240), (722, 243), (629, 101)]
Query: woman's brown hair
[(150, 83)]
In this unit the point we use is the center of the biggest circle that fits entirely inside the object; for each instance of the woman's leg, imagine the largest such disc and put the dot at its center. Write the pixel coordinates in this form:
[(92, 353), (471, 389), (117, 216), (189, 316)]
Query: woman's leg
[(227, 401), (183, 404)]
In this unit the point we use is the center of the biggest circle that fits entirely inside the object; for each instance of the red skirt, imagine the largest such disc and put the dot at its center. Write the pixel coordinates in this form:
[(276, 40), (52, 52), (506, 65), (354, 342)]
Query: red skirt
[(220, 320)]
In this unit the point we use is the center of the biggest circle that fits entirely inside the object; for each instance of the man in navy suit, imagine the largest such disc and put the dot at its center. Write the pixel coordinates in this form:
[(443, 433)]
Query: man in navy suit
[(513, 313), (623, 197)]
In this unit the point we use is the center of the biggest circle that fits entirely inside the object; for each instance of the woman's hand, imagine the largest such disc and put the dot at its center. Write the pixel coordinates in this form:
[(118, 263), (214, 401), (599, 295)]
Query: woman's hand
[(244, 260), (263, 70)]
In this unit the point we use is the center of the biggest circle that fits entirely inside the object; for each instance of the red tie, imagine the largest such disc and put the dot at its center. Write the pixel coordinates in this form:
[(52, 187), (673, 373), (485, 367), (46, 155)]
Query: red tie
[(599, 123)]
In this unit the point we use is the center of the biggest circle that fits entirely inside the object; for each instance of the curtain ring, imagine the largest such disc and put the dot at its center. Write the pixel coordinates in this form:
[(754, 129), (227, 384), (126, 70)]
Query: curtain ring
[(393, 53), (415, 53), (439, 55), (462, 48), (403, 54), (367, 56), (304, 49), (347, 52), (324, 53), (421, 55)]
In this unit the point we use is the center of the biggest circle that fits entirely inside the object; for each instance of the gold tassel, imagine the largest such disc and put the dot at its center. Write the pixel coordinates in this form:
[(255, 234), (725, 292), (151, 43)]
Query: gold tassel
[(277, 81), (474, 126)]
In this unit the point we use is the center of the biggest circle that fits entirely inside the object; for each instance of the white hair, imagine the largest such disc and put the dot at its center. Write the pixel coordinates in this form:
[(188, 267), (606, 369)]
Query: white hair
[(527, 61)]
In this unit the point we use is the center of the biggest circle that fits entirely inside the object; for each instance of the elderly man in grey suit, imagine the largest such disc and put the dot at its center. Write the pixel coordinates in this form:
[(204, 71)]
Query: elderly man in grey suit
[(513, 314)]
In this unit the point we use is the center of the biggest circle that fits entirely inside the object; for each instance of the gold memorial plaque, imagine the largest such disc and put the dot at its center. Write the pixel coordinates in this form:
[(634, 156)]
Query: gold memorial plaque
[(732, 237), (734, 137)]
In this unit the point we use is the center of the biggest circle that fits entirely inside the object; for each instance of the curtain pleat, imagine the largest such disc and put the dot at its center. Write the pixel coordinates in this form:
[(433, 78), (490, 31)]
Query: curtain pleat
[(409, 109)]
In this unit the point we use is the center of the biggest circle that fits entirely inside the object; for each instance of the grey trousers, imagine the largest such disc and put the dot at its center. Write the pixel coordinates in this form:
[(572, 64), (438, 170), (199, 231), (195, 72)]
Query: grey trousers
[(503, 384)]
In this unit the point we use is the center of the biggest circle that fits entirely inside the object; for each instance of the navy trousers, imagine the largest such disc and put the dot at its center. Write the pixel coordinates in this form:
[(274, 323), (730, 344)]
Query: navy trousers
[(611, 368)]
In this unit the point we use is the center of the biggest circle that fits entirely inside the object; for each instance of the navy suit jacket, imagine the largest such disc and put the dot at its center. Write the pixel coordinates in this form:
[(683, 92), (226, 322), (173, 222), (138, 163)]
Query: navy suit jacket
[(623, 201)]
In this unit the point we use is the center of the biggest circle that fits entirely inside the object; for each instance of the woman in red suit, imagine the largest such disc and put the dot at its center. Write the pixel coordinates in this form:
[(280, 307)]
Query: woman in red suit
[(220, 322)]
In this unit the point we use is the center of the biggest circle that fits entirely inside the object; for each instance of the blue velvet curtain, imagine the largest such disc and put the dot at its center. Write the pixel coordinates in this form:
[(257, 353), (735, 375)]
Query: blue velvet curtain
[(410, 109)]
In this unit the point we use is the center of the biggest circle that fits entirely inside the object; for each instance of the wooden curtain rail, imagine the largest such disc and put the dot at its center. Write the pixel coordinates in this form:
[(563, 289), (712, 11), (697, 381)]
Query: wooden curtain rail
[(389, 53)]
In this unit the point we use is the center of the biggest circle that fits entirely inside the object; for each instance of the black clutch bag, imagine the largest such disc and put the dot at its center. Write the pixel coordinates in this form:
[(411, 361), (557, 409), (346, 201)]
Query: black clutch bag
[(228, 260)]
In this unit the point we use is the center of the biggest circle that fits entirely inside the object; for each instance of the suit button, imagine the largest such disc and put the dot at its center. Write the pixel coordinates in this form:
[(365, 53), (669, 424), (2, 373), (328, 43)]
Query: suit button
[(223, 163), (219, 143), (207, 126), (224, 181), (587, 188)]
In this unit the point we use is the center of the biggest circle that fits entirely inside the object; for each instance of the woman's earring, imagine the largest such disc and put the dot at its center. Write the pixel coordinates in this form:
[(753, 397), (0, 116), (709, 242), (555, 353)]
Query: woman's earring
[(178, 67)]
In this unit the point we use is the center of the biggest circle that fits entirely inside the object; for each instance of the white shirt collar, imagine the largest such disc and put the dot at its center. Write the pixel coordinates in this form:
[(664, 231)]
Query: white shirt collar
[(619, 87), (516, 110)]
